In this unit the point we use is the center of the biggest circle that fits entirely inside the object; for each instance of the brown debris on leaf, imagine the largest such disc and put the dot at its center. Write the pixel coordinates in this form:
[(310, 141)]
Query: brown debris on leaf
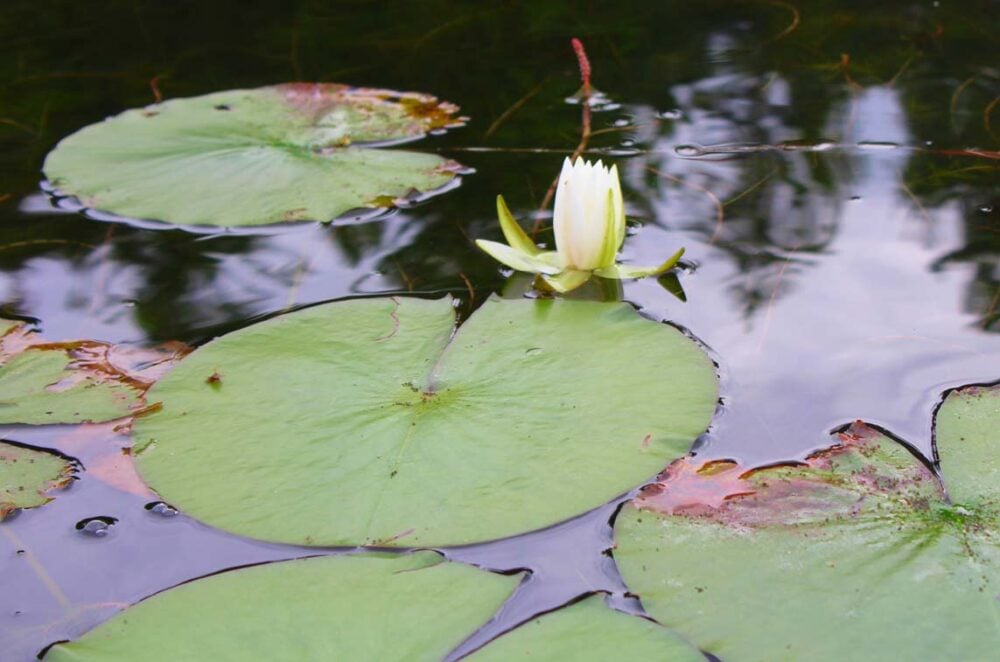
[(96, 362), (862, 471), (426, 112)]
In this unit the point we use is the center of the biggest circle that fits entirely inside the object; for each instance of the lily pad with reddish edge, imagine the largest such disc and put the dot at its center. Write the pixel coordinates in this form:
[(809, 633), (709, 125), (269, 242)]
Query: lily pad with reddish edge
[(271, 155), (857, 553)]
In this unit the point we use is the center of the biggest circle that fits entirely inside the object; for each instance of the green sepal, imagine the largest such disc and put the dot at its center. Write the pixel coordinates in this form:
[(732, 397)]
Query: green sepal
[(622, 271), (513, 232), (567, 280), (542, 263)]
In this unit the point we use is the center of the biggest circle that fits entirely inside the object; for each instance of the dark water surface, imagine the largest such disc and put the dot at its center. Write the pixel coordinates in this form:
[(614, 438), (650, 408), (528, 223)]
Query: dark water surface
[(831, 167)]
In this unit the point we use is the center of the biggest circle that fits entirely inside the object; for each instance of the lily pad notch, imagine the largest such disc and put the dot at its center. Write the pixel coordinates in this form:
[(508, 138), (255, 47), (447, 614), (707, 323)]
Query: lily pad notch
[(258, 157)]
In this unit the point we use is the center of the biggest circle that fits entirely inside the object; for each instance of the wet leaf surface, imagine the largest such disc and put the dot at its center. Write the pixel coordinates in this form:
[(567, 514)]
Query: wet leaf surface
[(270, 155), (412, 607), (856, 552), (368, 422), (28, 475), (76, 381)]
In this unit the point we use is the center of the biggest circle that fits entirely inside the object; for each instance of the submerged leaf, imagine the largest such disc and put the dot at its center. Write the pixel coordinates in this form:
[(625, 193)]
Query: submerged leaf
[(254, 157), (375, 422)]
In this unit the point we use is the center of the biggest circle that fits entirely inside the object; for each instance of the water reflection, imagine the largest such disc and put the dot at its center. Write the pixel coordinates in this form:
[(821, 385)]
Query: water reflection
[(133, 286), (845, 304), (844, 243)]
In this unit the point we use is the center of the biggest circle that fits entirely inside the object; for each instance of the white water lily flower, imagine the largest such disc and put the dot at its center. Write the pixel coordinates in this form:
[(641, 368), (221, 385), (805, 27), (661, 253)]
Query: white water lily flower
[(589, 227)]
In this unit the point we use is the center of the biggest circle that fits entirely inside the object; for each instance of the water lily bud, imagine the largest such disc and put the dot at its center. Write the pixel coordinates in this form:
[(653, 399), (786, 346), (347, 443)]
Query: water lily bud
[(589, 215), (589, 228)]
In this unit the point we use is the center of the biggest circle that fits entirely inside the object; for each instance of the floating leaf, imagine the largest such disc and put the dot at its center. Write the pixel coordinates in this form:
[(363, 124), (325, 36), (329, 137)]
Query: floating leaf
[(411, 607), (966, 430), (255, 157), (73, 382), (27, 475), (375, 422), (854, 554), (589, 630)]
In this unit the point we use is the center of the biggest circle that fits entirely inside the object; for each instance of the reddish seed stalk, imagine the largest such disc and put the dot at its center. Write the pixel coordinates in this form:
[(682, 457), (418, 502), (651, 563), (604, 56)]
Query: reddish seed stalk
[(584, 62)]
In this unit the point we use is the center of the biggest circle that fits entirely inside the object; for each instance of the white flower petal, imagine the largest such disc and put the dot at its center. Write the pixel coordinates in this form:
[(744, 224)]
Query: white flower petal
[(588, 216)]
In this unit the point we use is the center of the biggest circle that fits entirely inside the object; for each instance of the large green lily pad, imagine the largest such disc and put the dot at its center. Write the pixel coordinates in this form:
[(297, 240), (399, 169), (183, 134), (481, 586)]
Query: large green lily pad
[(76, 381), (254, 157), (856, 554), (412, 607), (27, 475), (589, 630), (369, 422)]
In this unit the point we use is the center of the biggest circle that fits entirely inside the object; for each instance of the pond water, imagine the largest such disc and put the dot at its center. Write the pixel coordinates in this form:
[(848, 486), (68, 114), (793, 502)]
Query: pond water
[(831, 168)]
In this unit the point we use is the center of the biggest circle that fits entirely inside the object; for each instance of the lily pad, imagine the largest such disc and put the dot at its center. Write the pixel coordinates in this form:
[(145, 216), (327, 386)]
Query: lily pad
[(255, 157), (72, 382), (966, 428), (27, 475), (412, 607), (588, 630), (856, 554), (376, 422)]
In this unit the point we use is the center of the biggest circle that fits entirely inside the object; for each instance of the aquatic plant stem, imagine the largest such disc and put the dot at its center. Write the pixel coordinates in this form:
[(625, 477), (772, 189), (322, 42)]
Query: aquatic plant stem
[(584, 64)]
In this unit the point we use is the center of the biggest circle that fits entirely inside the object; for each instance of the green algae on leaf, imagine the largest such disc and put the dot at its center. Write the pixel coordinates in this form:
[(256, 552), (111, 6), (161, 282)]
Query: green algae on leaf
[(589, 630), (27, 476), (856, 553), (73, 382), (375, 422), (269, 155), (408, 607)]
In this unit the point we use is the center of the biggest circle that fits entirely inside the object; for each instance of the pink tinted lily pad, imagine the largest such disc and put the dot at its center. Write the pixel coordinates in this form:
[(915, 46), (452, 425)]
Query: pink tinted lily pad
[(294, 152)]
